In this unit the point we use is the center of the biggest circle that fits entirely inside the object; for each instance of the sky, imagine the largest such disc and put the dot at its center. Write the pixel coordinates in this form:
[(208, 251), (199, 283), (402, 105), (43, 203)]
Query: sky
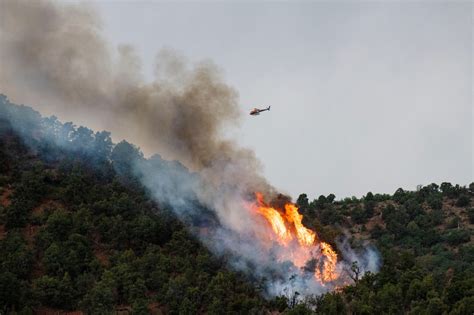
[(365, 96)]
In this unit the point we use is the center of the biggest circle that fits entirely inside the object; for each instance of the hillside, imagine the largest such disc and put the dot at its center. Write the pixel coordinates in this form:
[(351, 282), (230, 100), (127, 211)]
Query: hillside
[(79, 233), (427, 244), (75, 235)]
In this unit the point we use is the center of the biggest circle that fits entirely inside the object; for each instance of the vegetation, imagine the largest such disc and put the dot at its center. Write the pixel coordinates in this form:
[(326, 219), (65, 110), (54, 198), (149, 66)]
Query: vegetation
[(426, 241), (77, 232)]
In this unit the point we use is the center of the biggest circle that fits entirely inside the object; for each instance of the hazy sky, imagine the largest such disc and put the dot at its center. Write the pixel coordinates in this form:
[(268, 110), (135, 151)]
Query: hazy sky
[(365, 96)]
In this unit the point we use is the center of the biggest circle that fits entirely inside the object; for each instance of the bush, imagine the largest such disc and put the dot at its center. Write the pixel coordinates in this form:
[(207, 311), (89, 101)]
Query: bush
[(54, 292), (463, 201), (453, 223), (470, 213), (435, 201), (456, 237)]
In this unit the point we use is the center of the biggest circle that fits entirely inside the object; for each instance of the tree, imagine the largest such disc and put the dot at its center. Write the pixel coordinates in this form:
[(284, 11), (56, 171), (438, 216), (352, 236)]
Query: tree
[(59, 224), (302, 201), (446, 187), (464, 306), (369, 206), (463, 201), (435, 201), (188, 307), (436, 306), (330, 198), (359, 215), (456, 237), (54, 260), (53, 292), (376, 232), (369, 196), (470, 213), (399, 195), (140, 307), (279, 303), (15, 257), (331, 303), (123, 156), (471, 187), (389, 298), (10, 292), (101, 299), (82, 140), (102, 144), (355, 271), (321, 202)]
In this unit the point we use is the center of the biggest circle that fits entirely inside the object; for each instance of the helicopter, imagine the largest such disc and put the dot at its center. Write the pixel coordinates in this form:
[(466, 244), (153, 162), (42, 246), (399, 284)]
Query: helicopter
[(257, 111)]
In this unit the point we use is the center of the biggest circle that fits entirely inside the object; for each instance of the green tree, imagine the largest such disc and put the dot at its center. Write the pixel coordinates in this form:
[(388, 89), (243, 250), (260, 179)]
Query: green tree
[(10, 293), (101, 299), (140, 307), (54, 292), (470, 213), (463, 201), (331, 304)]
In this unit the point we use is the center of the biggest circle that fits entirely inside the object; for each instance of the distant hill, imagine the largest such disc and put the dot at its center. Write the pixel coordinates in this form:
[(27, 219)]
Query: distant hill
[(79, 234)]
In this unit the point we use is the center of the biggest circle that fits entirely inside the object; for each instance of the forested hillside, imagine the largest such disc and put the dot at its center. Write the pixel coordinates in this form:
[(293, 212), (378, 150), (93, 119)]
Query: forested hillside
[(427, 244), (79, 233), (76, 235)]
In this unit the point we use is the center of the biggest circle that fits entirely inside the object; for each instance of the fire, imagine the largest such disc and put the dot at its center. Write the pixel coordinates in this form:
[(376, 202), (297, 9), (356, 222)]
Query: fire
[(300, 244), (278, 224), (305, 236), (328, 272)]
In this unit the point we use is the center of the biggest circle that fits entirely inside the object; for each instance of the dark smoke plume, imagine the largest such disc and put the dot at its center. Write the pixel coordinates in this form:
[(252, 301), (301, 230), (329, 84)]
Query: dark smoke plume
[(55, 53), (54, 56)]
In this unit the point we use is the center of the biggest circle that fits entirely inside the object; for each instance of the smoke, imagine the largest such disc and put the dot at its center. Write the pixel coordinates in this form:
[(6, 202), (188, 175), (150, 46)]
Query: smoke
[(54, 52), (53, 55)]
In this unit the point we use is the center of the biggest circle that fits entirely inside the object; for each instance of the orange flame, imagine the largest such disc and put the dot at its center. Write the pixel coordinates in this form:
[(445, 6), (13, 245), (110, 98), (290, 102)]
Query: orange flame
[(328, 272), (305, 236), (300, 243)]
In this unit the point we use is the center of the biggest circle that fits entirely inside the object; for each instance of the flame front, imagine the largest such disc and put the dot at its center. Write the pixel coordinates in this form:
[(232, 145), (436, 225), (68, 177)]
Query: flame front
[(278, 224), (305, 236), (300, 244)]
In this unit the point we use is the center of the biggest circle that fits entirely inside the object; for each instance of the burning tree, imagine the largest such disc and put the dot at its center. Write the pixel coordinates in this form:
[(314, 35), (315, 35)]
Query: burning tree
[(296, 242)]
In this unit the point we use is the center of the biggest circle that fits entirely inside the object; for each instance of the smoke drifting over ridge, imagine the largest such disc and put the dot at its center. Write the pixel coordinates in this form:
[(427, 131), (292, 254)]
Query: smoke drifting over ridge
[(53, 55)]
